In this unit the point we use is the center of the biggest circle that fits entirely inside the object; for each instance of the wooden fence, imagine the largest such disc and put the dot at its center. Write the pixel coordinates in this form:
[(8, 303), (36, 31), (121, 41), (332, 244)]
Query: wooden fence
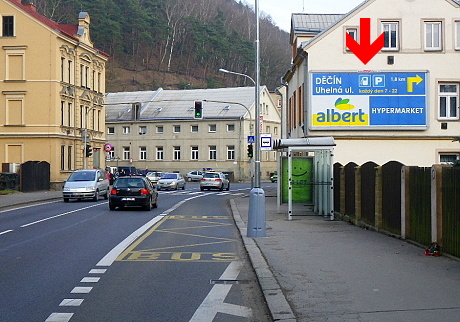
[(419, 204)]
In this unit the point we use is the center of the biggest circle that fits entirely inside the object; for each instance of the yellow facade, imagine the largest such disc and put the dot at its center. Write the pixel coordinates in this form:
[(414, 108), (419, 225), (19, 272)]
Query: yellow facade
[(52, 83)]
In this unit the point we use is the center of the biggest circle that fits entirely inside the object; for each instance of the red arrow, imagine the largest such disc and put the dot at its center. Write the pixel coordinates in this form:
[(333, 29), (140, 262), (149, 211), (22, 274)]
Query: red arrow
[(365, 51)]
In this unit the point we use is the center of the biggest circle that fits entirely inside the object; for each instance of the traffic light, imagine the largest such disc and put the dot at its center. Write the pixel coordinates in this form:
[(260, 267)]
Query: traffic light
[(198, 110), (88, 150), (250, 151)]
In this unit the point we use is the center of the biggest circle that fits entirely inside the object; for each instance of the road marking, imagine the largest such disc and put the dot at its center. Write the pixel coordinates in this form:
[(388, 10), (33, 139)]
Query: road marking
[(71, 302), (90, 279), (60, 215), (214, 301), (145, 256), (97, 271), (81, 290), (59, 317), (6, 231), (28, 206)]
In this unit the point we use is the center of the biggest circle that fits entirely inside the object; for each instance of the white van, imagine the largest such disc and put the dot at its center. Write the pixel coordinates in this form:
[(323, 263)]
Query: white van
[(89, 183)]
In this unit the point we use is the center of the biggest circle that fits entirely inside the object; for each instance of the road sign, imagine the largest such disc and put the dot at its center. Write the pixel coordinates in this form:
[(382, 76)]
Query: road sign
[(266, 141), (369, 100), (251, 139)]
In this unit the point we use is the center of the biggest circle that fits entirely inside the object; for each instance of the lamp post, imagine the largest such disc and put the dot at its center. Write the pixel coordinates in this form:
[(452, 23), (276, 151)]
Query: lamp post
[(235, 73)]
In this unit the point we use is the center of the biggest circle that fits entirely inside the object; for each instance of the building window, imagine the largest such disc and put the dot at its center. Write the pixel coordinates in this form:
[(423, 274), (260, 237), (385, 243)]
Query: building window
[(212, 128), (230, 127), (69, 158), (111, 130), (69, 114), (212, 152), (194, 129), (230, 152), (457, 34), (176, 154), (143, 153), (159, 128), (448, 101), (391, 35), (275, 130), (194, 155), (62, 69), (8, 26), (62, 113), (62, 157), (126, 129), (69, 71), (433, 35), (126, 153), (160, 153), (142, 130), (176, 128), (448, 158)]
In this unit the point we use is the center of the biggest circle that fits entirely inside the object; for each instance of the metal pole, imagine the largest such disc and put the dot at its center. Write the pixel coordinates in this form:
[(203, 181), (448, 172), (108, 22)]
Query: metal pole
[(256, 215)]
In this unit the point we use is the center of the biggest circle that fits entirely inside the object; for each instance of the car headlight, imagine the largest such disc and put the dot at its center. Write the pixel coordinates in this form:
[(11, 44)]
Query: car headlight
[(90, 188), (66, 189)]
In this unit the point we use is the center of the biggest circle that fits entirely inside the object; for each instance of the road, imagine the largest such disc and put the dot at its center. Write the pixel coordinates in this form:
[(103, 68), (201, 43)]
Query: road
[(78, 261)]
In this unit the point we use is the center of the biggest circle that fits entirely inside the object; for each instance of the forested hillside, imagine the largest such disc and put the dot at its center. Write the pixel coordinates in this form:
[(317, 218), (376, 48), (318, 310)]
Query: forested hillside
[(178, 43)]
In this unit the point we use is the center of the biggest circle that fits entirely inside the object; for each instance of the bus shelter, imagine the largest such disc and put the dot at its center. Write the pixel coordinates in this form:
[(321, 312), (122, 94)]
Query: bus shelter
[(311, 177)]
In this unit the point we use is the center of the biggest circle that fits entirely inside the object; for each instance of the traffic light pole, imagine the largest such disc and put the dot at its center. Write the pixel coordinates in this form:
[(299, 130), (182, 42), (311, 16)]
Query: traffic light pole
[(256, 214)]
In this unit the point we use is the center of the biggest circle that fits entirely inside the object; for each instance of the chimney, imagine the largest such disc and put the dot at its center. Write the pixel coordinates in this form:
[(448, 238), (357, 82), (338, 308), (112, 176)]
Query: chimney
[(29, 4)]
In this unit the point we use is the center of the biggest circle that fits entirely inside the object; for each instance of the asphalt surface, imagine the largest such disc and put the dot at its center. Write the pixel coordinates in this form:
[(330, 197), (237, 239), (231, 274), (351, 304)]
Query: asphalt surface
[(312, 269)]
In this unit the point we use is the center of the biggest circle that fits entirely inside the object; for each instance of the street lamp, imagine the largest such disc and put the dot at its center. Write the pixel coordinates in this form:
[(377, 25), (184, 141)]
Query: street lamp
[(256, 214), (235, 73)]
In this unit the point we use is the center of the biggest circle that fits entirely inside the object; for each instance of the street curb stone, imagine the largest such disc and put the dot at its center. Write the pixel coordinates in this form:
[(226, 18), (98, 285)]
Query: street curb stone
[(278, 306)]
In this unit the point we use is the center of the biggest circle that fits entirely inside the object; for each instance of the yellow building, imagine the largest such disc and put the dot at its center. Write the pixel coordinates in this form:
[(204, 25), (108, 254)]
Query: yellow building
[(52, 88)]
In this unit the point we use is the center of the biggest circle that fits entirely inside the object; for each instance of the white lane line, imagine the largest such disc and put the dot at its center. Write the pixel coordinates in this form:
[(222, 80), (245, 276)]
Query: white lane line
[(214, 301), (28, 206), (97, 271), (60, 215), (90, 279), (81, 290), (6, 231), (71, 302), (59, 317)]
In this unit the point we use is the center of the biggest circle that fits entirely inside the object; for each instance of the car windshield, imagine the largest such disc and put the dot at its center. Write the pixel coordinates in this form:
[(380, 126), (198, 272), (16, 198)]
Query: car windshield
[(154, 174), (169, 176), (211, 175), (129, 183), (82, 176)]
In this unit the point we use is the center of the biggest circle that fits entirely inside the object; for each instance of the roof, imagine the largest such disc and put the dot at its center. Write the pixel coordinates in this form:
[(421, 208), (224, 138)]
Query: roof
[(313, 23), (224, 103)]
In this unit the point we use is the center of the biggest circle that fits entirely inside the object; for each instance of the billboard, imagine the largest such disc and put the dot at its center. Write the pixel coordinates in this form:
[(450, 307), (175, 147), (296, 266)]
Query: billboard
[(302, 180), (368, 101)]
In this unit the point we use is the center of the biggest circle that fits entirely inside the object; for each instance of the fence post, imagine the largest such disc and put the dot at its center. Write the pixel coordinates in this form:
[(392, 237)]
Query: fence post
[(342, 191), (358, 209), (405, 202), (436, 205), (378, 198)]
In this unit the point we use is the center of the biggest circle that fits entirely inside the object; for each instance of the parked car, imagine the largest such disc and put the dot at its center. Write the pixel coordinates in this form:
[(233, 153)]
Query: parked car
[(194, 175), (135, 191), (126, 171), (89, 183), (214, 180), (274, 177), (171, 181), (154, 176)]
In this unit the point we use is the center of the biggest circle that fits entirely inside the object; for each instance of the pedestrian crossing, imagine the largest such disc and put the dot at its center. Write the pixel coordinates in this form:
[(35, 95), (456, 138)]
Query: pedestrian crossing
[(196, 193)]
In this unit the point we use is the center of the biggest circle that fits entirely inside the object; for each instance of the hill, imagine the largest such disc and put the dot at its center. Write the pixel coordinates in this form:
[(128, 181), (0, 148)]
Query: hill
[(177, 44)]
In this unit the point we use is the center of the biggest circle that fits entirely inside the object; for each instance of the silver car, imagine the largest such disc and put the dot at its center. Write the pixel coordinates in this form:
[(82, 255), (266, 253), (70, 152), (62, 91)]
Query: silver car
[(194, 175), (154, 176), (171, 181), (214, 180), (89, 183)]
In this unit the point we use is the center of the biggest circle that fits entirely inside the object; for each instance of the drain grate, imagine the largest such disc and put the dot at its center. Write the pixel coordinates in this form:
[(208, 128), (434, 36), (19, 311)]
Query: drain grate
[(224, 281)]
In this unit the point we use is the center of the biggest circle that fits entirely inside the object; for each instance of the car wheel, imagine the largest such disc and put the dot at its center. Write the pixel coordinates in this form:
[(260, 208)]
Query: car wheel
[(221, 188), (111, 207), (106, 196), (66, 199), (189, 179), (201, 188), (228, 187), (96, 196), (183, 187), (148, 206), (155, 205)]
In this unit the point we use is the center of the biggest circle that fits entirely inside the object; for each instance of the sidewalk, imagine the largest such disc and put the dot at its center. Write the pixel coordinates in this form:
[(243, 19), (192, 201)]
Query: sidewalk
[(311, 269)]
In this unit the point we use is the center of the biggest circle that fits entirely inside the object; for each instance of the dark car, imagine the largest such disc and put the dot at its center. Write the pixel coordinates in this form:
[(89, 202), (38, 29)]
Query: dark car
[(133, 191), (126, 171)]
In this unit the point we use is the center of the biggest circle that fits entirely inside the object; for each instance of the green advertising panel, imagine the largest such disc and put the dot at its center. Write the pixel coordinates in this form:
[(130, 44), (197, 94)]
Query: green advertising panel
[(302, 179)]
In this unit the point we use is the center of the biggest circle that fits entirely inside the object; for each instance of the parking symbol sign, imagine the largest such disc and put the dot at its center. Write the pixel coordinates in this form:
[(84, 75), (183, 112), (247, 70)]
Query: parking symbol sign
[(378, 80)]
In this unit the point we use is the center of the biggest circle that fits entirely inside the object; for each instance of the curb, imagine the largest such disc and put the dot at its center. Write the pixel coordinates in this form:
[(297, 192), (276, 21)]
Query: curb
[(279, 308)]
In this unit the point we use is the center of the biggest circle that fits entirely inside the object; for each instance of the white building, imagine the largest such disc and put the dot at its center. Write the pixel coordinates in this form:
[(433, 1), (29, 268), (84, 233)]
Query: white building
[(402, 104), (157, 130)]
